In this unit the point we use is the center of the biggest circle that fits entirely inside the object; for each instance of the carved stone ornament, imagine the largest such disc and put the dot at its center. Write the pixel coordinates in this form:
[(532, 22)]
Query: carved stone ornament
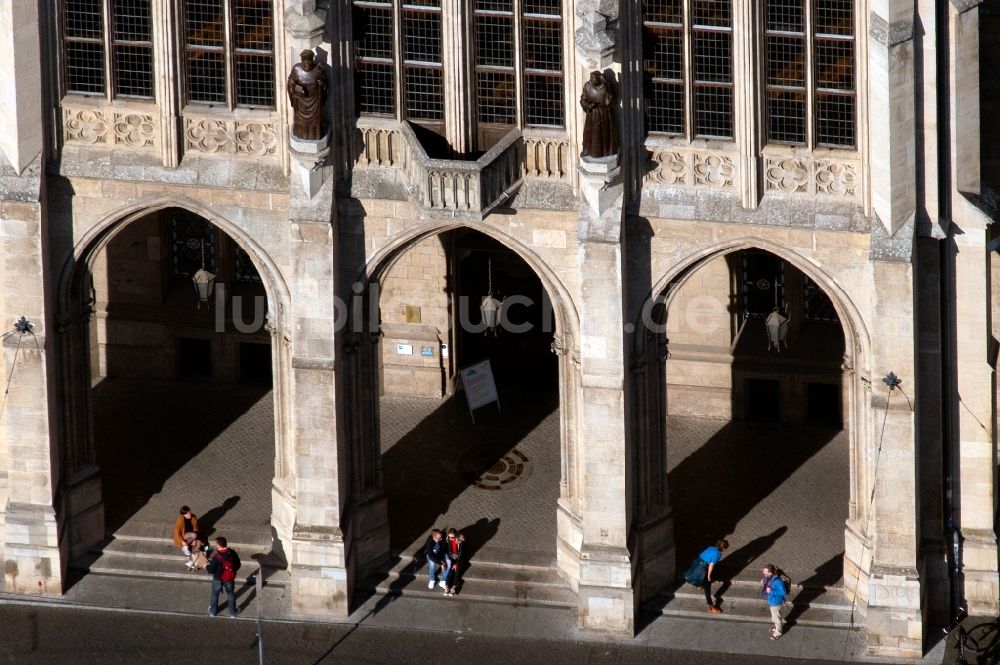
[(134, 129), (837, 178), (714, 170), (206, 134), (788, 175), (255, 138), (84, 126), (669, 168)]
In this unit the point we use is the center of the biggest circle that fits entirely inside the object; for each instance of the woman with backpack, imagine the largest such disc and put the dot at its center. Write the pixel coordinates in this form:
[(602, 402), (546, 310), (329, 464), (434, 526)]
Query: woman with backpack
[(774, 589), (699, 573)]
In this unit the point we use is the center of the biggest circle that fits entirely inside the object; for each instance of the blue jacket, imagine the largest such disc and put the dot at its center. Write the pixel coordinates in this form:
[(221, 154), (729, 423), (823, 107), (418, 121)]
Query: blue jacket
[(775, 590)]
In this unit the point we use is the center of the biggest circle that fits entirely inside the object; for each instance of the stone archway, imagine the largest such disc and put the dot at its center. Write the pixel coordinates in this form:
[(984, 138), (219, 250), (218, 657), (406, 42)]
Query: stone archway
[(81, 475), (362, 391), (651, 351)]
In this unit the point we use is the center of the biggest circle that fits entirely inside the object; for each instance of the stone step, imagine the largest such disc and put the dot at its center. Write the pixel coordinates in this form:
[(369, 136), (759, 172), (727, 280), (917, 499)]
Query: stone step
[(237, 535), (495, 556), (481, 581), (160, 558), (742, 601)]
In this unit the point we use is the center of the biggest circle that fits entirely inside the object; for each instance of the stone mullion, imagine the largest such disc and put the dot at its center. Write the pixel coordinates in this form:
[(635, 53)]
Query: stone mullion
[(166, 72), (747, 90), (456, 18)]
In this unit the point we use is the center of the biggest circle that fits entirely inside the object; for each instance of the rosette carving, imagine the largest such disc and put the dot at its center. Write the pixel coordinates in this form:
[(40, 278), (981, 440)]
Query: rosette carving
[(669, 168), (837, 178), (714, 170), (255, 138), (206, 134), (787, 175), (134, 129), (84, 126)]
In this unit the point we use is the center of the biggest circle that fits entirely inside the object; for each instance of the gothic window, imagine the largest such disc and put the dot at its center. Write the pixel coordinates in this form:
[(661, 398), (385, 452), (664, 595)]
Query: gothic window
[(112, 62), (246, 271), (688, 67), (515, 48), (193, 240), (809, 63), (228, 52), (763, 281)]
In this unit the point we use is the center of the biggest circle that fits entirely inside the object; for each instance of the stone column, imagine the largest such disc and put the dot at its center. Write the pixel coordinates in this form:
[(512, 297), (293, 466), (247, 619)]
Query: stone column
[(976, 473)]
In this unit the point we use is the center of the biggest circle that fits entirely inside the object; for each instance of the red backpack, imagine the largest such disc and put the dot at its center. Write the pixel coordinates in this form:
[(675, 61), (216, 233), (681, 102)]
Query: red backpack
[(228, 573)]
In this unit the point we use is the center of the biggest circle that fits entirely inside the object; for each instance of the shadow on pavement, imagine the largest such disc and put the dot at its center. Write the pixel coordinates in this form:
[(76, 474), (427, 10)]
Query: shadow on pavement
[(720, 483), (146, 430)]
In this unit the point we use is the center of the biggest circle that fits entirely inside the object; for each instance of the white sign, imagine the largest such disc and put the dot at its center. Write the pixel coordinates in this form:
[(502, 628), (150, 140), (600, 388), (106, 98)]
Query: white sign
[(479, 386), (404, 349)]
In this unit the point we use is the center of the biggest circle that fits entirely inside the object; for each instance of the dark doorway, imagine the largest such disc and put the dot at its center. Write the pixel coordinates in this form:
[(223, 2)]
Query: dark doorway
[(194, 358), (762, 401), (823, 405), (255, 364)]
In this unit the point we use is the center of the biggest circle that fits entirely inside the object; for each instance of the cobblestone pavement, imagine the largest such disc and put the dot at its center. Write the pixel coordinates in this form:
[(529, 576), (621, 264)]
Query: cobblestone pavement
[(778, 494)]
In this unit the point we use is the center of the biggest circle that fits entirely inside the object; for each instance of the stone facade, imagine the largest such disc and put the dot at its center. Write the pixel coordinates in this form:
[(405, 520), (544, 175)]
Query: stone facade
[(636, 254)]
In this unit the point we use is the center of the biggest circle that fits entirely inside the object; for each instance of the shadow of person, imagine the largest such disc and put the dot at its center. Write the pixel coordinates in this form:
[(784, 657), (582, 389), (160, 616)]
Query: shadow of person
[(207, 522), (734, 563), (476, 535), (814, 586)]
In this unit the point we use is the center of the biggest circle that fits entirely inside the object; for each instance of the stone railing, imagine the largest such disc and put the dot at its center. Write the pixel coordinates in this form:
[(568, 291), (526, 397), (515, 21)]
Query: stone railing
[(547, 154), (459, 185)]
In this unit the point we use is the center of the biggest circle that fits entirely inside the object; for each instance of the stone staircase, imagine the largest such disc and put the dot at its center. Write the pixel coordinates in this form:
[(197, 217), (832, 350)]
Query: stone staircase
[(493, 575), (148, 552), (825, 607)]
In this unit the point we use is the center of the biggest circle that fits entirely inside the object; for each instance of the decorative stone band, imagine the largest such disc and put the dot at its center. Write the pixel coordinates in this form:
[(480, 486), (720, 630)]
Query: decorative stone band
[(805, 174), (681, 166), (247, 137), (110, 126), (546, 155)]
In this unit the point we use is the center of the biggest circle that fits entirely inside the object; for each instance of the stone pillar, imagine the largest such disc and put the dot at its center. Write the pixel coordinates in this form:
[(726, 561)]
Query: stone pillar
[(321, 583), (976, 472), (894, 598)]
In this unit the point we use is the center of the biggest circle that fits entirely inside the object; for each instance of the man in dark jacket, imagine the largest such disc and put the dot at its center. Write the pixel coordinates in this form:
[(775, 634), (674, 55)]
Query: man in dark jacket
[(222, 567), (434, 550)]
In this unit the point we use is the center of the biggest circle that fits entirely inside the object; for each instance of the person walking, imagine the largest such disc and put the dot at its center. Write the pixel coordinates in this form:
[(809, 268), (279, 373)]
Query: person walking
[(453, 561), (223, 566), (699, 573), (773, 589), (186, 535), (434, 551)]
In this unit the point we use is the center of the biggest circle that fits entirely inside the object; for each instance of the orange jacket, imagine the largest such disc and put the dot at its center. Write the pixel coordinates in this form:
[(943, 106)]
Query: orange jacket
[(179, 529)]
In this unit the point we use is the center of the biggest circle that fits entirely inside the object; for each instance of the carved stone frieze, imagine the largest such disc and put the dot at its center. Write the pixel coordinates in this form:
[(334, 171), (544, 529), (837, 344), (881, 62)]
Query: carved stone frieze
[(110, 126), (713, 169), (546, 157), (836, 178), (231, 136), (788, 174), (378, 146)]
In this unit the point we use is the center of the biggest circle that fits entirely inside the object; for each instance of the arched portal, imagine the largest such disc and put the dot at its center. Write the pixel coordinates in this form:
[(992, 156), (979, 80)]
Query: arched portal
[(167, 393), (509, 476), (764, 445)]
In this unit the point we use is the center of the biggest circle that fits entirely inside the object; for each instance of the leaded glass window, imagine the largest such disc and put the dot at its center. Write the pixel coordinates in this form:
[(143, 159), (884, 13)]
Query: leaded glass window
[(688, 67), (112, 63), (810, 72), (193, 241), (228, 55)]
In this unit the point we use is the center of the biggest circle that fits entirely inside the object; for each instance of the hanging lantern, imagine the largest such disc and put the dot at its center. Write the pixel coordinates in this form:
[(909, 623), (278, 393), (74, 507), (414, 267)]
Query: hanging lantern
[(490, 307), (204, 282), (777, 330)]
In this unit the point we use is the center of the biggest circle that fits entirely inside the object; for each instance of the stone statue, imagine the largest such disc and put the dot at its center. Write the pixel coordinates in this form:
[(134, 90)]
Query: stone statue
[(306, 88), (600, 133)]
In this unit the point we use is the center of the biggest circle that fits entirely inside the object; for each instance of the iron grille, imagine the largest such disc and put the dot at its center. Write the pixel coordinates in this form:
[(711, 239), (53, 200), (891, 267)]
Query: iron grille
[(246, 271), (132, 48), (424, 93), (495, 79), (83, 45), (713, 69), (376, 88), (375, 55), (544, 99), (543, 78), (834, 73), (193, 237), (818, 306), (495, 94), (253, 53), (423, 76), (786, 73), (204, 51)]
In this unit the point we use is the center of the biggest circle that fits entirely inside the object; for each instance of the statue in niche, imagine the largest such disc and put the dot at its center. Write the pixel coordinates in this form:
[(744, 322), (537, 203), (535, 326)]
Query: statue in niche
[(306, 88), (600, 133)]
